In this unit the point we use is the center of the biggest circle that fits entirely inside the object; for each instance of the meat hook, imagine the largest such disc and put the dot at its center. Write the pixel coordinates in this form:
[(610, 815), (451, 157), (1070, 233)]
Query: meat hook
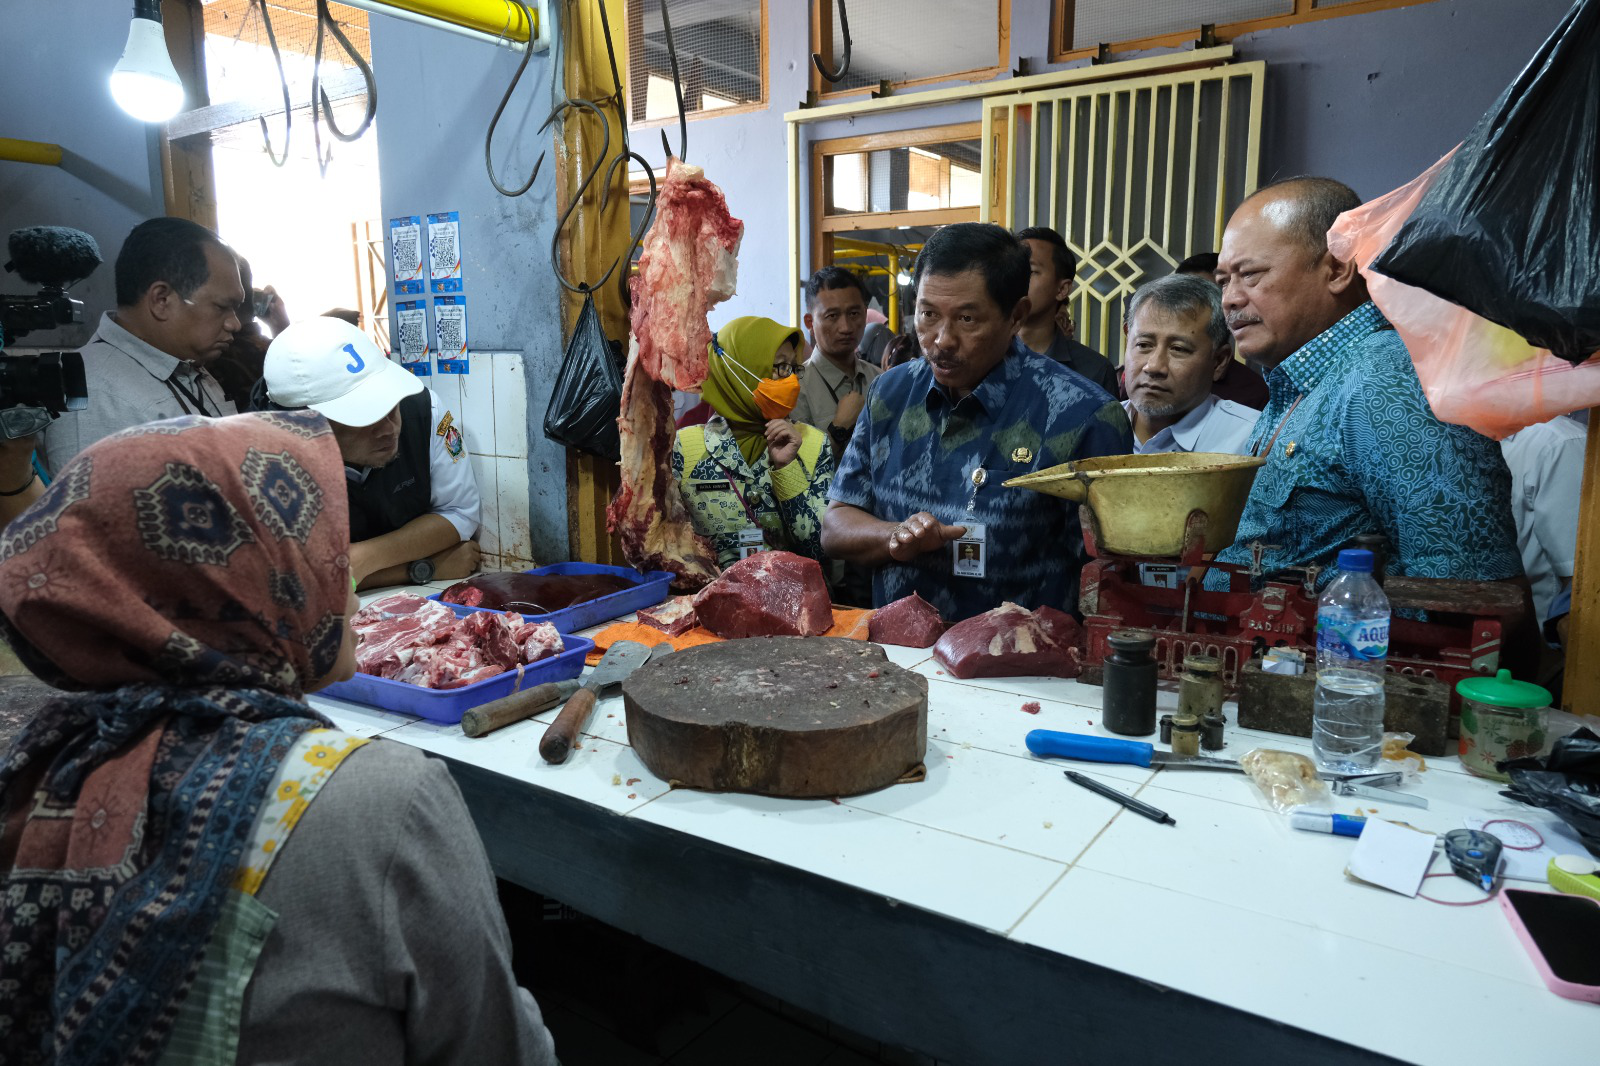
[(488, 139), (677, 89), (577, 197), (327, 25), (628, 153), (844, 65)]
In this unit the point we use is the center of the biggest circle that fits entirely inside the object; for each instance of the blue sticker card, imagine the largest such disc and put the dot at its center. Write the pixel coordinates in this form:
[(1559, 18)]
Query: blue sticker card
[(450, 331), (405, 252), (444, 251)]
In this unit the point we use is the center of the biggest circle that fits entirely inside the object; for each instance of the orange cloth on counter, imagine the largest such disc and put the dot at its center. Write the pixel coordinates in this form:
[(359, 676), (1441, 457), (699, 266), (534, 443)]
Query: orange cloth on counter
[(848, 622)]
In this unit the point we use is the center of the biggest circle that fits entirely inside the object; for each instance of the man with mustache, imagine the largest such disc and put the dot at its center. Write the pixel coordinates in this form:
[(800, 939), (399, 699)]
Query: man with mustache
[(919, 488), (1351, 445), (1178, 347), (414, 502), (178, 296)]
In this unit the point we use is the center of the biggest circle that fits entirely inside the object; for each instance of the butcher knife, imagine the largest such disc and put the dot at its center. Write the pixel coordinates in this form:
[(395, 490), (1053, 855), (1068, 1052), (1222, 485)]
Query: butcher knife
[(1107, 749), (620, 660), (517, 706)]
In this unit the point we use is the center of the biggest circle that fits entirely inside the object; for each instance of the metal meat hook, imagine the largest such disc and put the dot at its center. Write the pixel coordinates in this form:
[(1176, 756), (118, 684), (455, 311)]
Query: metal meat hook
[(628, 153), (677, 89), (577, 197), (844, 65)]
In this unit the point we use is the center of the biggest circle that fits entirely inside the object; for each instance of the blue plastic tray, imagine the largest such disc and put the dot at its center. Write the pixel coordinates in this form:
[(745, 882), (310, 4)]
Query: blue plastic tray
[(650, 590), (447, 705)]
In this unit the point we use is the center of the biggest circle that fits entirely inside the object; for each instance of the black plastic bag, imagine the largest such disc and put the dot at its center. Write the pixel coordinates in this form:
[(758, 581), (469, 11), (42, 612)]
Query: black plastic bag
[(1566, 783), (587, 398), (1510, 229)]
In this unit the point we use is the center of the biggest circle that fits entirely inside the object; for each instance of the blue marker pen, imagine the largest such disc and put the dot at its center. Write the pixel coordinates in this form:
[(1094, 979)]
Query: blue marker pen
[(1343, 825)]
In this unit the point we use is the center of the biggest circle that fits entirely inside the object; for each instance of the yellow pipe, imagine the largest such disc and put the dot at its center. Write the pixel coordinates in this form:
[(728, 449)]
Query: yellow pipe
[(40, 152), (892, 312), (496, 18)]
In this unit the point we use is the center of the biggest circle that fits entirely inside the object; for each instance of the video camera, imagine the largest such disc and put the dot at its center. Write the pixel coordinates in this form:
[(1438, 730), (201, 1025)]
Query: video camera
[(34, 389)]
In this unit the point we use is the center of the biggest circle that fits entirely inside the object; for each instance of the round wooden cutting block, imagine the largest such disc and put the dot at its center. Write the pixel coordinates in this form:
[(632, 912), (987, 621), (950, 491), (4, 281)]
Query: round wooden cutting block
[(779, 716)]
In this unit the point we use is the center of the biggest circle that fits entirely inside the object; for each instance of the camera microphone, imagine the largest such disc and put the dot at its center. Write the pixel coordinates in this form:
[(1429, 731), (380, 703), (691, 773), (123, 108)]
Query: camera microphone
[(53, 256)]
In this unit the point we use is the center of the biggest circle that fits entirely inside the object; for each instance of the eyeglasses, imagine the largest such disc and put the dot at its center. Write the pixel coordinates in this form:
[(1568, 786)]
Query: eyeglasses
[(787, 370)]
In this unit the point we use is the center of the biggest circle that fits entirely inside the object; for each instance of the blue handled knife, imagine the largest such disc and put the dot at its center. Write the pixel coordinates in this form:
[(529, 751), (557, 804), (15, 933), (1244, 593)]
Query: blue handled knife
[(1107, 749)]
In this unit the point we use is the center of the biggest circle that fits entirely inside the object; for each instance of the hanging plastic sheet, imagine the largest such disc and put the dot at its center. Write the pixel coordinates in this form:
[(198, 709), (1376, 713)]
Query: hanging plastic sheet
[(1494, 251), (587, 398)]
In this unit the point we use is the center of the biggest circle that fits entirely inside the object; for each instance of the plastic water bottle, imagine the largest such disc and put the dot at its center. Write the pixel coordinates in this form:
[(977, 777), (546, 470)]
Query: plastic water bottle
[(1352, 644)]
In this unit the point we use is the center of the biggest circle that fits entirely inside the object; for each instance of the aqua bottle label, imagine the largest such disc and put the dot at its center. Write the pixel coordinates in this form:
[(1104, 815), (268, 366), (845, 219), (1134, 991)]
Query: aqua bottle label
[(1365, 641)]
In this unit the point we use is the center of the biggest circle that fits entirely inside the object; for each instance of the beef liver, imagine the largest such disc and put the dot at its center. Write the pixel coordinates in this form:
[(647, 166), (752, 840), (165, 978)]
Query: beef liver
[(910, 622), (533, 593), (1012, 641), (770, 594)]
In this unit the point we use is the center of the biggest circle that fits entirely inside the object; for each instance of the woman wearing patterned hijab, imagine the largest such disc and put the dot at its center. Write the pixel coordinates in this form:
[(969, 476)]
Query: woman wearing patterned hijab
[(171, 892)]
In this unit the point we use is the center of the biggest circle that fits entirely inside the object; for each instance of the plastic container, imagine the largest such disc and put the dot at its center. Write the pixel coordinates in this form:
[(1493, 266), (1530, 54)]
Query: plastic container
[(1500, 719), (1352, 647), (650, 590), (447, 705)]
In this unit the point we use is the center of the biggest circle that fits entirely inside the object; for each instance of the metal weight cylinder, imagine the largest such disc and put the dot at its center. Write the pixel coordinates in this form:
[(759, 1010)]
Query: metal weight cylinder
[(1130, 685)]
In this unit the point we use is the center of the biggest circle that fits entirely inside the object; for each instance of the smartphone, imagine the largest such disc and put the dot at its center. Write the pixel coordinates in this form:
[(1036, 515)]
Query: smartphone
[(1562, 933)]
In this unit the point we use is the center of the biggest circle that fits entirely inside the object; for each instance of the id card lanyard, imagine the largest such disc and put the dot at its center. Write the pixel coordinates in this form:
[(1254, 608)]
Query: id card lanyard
[(969, 556)]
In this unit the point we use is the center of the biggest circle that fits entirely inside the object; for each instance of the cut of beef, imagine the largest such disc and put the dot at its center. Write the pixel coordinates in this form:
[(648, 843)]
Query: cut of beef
[(390, 630), (674, 617), (687, 266), (533, 593), (910, 621), (538, 640), (770, 594), (1012, 641), (421, 642)]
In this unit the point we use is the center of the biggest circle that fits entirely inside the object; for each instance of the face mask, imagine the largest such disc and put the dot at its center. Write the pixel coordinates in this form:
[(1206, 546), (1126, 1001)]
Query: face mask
[(777, 396)]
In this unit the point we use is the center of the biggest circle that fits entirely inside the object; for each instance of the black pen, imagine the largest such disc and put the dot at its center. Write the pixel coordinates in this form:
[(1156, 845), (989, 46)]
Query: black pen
[(1134, 805)]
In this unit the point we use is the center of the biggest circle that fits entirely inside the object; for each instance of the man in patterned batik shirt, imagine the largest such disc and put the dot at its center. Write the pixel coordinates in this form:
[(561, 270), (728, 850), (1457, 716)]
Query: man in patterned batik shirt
[(918, 494), (1352, 447)]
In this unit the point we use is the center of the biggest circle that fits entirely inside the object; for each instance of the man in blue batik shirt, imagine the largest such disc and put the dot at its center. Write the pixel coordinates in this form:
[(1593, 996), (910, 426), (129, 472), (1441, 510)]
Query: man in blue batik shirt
[(917, 495), (1351, 445)]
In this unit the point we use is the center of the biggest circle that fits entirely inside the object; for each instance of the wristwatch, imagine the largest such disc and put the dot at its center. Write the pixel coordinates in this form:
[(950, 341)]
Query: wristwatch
[(420, 572)]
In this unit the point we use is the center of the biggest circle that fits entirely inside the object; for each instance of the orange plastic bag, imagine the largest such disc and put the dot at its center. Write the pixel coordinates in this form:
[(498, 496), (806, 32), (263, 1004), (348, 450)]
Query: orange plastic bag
[(1474, 372)]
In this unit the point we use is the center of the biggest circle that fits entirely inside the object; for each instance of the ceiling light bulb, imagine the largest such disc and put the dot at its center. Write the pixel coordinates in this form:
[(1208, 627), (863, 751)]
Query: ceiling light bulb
[(144, 82), (903, 278)]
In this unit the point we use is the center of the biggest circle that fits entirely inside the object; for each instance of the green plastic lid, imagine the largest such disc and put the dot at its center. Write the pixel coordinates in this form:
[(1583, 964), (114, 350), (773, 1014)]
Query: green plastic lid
[(1502, 691)]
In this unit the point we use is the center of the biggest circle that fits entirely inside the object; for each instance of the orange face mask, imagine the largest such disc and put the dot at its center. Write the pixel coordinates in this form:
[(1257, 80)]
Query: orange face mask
[(777, 396)]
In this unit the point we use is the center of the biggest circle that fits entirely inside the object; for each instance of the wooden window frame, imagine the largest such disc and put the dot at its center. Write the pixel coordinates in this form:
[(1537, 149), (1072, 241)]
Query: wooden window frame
[(638, 79), (822, 44), (822, 225), (1061, 12)]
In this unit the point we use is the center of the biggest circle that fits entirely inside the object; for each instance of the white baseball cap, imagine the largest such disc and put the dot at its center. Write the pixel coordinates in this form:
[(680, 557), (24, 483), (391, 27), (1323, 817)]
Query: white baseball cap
[(333, 368)]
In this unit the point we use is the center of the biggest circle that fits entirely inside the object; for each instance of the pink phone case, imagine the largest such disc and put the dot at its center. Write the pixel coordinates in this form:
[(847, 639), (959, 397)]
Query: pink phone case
[(1566, 989)]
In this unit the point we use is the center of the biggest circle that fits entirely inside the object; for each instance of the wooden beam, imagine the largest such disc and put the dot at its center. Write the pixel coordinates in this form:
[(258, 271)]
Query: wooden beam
[(188, 179), (1581, 690), (209, 118)]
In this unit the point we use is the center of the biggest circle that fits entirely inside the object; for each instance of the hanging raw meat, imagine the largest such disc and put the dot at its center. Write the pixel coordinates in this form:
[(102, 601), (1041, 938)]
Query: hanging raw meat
[(687, 267)]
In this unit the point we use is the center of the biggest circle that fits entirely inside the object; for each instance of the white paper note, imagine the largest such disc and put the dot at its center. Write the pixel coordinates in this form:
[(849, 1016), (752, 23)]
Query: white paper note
[(1391, 856)]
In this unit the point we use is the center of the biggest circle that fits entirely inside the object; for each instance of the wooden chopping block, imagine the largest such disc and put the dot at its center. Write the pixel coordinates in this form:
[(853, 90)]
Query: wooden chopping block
[(1281, 703), (779, 716)]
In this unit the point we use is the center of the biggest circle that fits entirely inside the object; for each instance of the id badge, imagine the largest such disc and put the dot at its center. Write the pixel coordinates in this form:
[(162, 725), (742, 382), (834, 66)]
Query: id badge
[(970, 555), (751, 540)]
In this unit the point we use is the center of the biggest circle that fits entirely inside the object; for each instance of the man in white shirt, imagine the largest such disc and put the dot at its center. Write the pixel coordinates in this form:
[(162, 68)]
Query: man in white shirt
[(1546, 462), (178, 295), (414, 504), (1178, 345)]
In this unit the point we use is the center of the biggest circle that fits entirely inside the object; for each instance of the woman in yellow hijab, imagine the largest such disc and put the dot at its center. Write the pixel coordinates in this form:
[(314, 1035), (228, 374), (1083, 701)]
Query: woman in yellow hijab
[(751, 479)]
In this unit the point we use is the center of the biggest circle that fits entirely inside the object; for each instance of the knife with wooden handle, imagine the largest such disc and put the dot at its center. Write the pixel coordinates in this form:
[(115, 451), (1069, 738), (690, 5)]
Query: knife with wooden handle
[(517, 706)]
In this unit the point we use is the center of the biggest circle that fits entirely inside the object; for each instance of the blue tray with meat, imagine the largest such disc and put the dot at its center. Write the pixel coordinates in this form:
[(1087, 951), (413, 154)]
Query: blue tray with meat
[(415, 656), (569, 596)]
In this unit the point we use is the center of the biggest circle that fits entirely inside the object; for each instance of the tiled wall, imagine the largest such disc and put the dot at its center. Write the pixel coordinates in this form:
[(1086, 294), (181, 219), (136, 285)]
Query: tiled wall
[(491, 405)]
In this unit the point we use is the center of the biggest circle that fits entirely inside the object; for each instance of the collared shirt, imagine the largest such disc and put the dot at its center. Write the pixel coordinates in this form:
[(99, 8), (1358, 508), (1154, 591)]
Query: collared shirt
[(915, 448), (1546, 462), (823, 385), (453, 490), (130, 383), (1085, 360), (1212, 426), (1361, 452)]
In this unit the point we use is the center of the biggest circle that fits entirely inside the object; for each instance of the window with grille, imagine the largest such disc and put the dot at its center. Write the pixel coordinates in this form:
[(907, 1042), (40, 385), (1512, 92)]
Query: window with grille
[(904, 43), (721, 47), (922, 177), (1081, 26)]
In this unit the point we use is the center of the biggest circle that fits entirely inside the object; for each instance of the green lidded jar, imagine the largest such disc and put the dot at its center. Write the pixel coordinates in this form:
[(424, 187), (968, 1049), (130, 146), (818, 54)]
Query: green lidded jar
[(1500, 719)]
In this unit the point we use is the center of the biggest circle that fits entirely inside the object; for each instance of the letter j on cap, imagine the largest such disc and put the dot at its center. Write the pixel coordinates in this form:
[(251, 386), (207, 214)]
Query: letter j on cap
[(357, 366)]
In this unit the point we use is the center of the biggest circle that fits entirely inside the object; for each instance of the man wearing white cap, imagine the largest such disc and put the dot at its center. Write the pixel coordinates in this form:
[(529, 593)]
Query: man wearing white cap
[(414, 503)]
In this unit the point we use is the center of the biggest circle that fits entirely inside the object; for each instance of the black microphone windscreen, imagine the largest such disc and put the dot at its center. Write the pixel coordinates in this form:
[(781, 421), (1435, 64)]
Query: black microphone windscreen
[(52, 255)]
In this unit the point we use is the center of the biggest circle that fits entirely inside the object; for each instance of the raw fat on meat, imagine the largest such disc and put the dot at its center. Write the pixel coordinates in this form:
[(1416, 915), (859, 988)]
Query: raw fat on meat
[(1012, 641), (688, 265), (910, 621), (769, 594), (674, 618), (421, 642), (533, 593)]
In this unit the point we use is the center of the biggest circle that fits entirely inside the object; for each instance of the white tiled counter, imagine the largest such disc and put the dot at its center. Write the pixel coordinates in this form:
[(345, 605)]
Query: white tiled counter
[(998, 913)]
